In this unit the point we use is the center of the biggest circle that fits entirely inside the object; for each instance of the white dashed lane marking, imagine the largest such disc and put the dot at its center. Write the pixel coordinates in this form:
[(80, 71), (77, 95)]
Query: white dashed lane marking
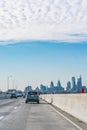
[(1, 117), (15, 107)]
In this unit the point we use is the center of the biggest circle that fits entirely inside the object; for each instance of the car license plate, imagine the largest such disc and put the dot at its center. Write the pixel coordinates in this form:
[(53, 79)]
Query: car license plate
[(32, 95)]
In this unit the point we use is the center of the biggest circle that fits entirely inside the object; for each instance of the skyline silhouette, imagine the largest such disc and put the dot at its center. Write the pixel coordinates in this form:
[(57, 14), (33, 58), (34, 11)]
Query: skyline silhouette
[(72, 86)]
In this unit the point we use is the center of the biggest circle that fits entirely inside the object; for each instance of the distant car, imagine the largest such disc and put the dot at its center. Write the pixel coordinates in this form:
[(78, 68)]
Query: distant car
[(13, 95), (32, 97), (19, 94)]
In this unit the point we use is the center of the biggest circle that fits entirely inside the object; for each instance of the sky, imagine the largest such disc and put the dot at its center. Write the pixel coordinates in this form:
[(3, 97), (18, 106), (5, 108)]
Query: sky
[(42, 41)]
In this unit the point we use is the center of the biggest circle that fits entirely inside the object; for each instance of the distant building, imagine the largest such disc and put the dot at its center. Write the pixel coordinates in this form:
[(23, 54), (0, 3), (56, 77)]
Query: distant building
[(79, 84), (27, 89), (37, 89), (58, 83), (59, 88), (43, 88), (74, 84), (68, 87), (51, 84)]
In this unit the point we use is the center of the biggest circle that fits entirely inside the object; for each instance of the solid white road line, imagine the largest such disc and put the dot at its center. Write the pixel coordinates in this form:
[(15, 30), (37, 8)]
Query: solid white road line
[(79, 128), (1, 117), (15, 107)]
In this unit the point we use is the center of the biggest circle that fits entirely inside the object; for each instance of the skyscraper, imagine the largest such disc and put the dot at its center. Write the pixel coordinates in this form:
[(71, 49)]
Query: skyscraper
[(51, 84), (59, 87), (68, 88), (59, 83), (79, 84), (73, 84)]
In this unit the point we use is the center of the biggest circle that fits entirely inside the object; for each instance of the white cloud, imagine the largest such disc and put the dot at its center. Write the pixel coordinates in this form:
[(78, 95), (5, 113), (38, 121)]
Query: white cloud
[(43, 20)]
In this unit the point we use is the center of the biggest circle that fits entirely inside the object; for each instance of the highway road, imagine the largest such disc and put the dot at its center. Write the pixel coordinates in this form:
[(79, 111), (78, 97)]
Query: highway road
[(16, 115)]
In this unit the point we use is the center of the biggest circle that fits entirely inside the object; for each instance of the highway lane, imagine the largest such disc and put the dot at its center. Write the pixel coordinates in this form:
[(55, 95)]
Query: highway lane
[(32, 116), (7, 106)]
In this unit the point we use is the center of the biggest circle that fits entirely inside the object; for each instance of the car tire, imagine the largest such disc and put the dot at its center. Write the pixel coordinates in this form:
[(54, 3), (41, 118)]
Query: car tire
[(26, 102), (37, 102)]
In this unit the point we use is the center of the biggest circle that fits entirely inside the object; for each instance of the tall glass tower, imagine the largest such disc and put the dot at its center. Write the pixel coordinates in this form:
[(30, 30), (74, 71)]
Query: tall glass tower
[(73, 84), (79, 83), (51, 84)]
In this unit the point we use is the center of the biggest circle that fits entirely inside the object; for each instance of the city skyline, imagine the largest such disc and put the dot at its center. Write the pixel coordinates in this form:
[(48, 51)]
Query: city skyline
[(73, 86)]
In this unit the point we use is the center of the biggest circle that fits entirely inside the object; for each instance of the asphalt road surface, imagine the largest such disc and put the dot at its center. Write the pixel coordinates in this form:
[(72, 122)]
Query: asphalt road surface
[(15, 114)]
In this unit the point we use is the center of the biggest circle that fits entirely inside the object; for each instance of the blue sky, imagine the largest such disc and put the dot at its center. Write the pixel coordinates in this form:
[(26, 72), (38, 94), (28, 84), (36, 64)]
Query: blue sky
[(36, 62)]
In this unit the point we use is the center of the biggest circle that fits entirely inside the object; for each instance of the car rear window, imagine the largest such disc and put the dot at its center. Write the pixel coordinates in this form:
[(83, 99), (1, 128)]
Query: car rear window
[(32, 93)]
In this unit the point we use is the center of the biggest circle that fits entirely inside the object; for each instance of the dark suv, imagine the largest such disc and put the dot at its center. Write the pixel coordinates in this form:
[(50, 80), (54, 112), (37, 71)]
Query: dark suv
[(32, 97)]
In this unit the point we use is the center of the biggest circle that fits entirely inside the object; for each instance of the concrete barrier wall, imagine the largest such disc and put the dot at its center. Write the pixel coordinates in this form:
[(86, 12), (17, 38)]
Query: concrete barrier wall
[(74, 104)]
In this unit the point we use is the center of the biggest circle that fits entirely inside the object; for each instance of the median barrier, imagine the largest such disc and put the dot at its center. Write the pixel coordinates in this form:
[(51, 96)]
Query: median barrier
[(74, 104)]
